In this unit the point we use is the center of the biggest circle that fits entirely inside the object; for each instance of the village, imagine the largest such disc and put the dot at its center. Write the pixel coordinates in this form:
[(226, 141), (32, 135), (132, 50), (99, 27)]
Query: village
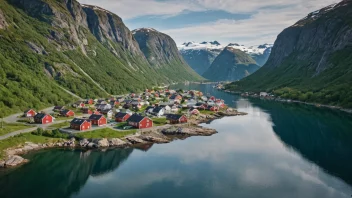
[(145, 110)]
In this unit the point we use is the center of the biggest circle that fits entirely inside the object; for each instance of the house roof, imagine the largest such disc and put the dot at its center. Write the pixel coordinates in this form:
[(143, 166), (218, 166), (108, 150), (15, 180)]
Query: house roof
[(157, 109), (135, 118), (28, 110), (95, 117), (120, 115), (65, 111), (78, 121), (148, 108), (40, 116), (173, 117)]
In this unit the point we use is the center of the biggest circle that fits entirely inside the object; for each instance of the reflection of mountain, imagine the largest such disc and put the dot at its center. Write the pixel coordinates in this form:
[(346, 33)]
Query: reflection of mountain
[(59, 173), (322, 136)]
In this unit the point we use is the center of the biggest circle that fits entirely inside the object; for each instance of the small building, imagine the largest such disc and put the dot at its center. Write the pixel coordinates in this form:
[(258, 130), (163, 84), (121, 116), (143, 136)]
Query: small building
[(140, 122), (101, 102), (213, 108), (108, 113), (176, 119), (58, 108), (42, 118), (103, 107), (67, 113), (78, 104), (80, 124), (99, 120), (149, 109), (264, 94), (29, 113), (122, 117), (193, 111), (86, 110), (158, 111), (89, 101), (114, 103)]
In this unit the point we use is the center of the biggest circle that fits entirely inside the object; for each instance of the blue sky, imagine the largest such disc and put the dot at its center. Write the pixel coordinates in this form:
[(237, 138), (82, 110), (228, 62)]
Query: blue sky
[(248, 22)]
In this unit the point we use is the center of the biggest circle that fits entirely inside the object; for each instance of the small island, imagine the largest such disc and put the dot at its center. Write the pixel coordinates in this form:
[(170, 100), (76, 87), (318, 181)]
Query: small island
[(158, 115)]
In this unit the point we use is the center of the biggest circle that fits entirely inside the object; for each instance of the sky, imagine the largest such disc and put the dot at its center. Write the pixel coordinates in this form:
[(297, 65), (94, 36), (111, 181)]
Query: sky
[(247, 22)]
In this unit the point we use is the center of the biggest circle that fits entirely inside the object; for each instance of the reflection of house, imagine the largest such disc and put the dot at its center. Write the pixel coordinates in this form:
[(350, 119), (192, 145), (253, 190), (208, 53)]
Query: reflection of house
[(122, 117), (42, 118), (30, 113), (140, 122), (176, 119), (80, 124), (99, 120)]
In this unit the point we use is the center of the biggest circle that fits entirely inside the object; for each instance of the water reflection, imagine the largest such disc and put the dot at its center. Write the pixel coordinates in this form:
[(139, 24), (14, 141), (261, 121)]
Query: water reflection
[(59, 173)]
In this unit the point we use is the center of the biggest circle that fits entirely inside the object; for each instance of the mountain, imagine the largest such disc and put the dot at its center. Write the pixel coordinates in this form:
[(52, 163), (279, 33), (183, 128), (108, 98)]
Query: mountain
[(232, 64), (200, 55), (162, 54), (311, 60), (53, 50), (260, 53)]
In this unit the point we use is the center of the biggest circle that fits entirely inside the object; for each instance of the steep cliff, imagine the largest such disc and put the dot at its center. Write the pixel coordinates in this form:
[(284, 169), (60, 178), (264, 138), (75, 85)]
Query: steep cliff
[(231, 65), (312, 59), (162, 53), (49, 47)]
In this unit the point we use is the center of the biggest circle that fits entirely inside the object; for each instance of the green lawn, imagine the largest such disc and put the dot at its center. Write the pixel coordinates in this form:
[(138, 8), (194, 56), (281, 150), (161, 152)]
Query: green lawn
[(8, 128), (159, 121), (21, 139), (206, 112), (105, 133), (60, 125)]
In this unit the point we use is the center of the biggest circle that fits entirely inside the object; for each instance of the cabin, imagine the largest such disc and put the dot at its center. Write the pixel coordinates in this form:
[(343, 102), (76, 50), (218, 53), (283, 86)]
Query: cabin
[(80, 124), (213, 108), (42, 118), (140, 122), (58, 108), (122, 117), (29, 113), (98, 120), (176, 119), (67, 113), (89, 101), (158, 111), (78, 104), (108, 113), (114, 103), (103, 107), (87, 111), (193, 111)]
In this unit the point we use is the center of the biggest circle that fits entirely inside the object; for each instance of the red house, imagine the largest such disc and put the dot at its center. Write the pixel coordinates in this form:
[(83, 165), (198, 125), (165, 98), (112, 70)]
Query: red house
[(194, 111), (80, 124), (42, 118), (87, 111), (67, 113), (89, 101), (99, 120), (122, 117), (212, 98), (213, 108), (140, 122), (30, 113), (176, 119)]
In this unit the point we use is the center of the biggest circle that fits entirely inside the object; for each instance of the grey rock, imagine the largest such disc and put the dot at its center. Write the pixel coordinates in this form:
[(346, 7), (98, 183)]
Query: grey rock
[(14, 160), (92, 145), (2, 164), (115, 142), (103, 143)]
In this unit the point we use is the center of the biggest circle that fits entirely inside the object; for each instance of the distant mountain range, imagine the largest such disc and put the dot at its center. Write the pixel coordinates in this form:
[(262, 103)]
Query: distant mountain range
[(311, 60), (200, 56)]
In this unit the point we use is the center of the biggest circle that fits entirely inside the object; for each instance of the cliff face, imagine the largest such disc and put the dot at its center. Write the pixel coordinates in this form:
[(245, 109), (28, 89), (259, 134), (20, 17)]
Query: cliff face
[(231, 65), (51, 45), (314, 56), (162, 53), (200, 60)]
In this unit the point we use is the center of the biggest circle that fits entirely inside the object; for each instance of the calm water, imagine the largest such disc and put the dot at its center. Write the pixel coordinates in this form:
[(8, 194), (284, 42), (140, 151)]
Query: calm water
[(278, 150)]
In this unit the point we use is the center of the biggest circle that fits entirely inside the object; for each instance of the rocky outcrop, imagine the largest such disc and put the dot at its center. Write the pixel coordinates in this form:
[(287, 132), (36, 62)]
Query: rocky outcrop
[(189, 131), (12, 161), (3, 23), (231, 65)]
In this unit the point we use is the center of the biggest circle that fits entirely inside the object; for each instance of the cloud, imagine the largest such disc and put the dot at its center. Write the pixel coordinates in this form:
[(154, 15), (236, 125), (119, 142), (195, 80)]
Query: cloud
[(267, 18)]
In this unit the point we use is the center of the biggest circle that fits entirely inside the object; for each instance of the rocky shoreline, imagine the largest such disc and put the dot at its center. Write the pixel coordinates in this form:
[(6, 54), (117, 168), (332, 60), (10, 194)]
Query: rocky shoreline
[(160, 136), (152, 136)]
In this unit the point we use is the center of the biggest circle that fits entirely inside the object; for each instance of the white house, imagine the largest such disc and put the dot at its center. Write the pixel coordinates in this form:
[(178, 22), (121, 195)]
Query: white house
[(158, 111), (264, 94)]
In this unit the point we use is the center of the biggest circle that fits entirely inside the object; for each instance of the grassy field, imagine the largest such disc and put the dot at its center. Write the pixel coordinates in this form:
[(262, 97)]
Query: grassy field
[(21, 139), (159, 121), (105, 133), (8, 128), (206, 112), (60, 125)]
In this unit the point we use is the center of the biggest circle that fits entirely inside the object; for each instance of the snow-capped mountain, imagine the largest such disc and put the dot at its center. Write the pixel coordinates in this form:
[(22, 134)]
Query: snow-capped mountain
[(201, 55)]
